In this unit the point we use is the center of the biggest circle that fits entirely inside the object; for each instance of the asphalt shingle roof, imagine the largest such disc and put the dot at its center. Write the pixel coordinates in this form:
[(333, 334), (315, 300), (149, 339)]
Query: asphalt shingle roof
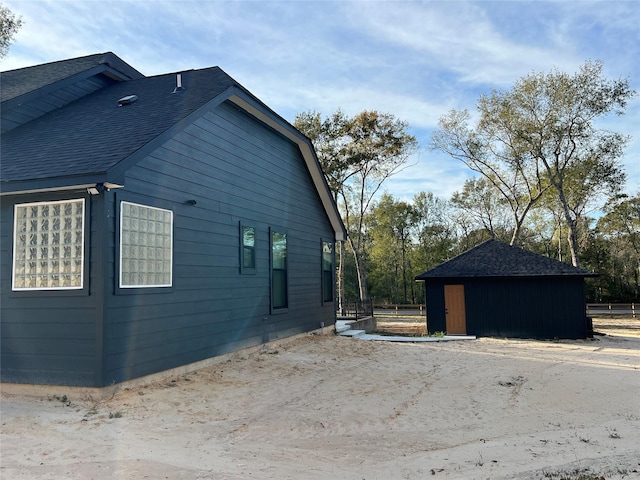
[(497, 259), (25, 80), (93, 134)]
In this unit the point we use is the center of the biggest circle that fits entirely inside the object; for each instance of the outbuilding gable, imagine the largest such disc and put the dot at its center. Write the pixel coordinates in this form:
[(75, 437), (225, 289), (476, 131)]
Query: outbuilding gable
[(499, 290)]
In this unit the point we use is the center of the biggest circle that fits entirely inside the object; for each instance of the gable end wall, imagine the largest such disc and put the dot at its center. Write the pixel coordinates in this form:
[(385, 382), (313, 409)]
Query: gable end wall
[(237, 170)]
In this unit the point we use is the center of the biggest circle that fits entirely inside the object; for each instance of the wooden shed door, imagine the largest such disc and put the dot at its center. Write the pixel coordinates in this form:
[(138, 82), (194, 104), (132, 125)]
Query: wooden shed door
[(454, 309)]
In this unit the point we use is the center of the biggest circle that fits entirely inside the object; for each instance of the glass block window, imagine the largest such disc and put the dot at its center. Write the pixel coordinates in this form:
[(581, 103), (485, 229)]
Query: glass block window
[(248, 249), (327, 272), (279, 297), (146, 246), (48, 251)]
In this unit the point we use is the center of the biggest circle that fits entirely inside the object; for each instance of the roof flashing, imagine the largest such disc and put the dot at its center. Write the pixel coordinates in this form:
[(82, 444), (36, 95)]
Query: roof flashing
[(128, 100)]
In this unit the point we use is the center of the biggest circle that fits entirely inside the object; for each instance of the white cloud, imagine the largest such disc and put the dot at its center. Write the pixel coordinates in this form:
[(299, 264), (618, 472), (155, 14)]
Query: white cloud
[(415, 60)]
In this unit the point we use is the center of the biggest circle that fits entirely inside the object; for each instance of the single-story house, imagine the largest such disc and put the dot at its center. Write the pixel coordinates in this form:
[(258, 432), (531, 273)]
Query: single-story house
[(497, 290), (152, 222)]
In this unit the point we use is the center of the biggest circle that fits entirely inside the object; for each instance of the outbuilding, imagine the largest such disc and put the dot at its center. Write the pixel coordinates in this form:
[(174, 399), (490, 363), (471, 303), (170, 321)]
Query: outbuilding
[(498, 290), (150, 223)]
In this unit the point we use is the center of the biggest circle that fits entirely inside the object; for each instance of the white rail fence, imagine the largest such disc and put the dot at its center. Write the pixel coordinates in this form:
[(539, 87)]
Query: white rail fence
[(601, 309), (593, 309)]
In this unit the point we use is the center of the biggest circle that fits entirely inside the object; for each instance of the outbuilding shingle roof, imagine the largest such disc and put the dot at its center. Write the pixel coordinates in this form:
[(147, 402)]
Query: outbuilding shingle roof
[(497, 259)]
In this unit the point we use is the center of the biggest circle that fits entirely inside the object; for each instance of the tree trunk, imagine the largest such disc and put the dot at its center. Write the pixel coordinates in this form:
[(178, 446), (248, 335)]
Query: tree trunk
[(571, 226), (341, 278), (573, 242), (404, 268), (361, 270)]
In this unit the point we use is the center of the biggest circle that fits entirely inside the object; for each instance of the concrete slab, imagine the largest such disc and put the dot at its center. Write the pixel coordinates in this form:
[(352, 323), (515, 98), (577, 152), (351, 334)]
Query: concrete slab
[(352, 333), (399, 338), (344, 329), (343, 325)]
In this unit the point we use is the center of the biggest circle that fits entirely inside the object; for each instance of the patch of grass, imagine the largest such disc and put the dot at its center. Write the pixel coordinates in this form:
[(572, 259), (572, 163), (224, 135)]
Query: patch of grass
[(577, 474), (62, 399), (115, 414), (406, 333)]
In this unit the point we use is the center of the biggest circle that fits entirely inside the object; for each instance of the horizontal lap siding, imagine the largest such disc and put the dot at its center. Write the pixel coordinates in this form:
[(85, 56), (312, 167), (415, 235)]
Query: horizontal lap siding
[(237, 170), (50, 337)]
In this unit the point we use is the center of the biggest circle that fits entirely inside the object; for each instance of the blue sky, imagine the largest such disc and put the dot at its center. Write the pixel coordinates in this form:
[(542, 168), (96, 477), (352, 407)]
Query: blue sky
[(415, 60)]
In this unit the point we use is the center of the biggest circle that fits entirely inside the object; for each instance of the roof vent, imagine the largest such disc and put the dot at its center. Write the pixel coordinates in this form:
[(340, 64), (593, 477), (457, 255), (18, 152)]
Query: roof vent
[(179, 87), (128, 100)]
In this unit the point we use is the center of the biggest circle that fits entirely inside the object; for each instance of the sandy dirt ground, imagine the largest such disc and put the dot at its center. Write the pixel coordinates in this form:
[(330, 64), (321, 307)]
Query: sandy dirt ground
[(329, 407)]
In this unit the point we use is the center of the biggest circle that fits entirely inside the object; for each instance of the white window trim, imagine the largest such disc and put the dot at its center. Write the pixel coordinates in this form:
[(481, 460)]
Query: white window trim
[(15, 244), (120, 273)]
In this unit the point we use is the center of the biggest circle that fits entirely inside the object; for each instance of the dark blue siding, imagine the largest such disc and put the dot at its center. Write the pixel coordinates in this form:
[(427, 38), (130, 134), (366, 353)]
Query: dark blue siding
[(238, 170), (50, 337)]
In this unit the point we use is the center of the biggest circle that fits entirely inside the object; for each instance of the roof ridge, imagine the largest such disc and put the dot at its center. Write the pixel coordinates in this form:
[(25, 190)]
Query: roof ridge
[(84, 57), (493, 258)]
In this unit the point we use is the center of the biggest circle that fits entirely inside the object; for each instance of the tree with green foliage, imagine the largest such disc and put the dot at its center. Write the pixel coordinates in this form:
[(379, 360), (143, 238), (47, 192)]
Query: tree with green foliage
[(391, 226), (330, 139), (541, 135), (9, 26), (620, 229), (436, 236), (358, 154)]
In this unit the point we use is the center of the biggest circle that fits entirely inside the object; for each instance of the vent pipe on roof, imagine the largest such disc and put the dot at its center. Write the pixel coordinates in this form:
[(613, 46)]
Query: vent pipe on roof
[(179, 87)]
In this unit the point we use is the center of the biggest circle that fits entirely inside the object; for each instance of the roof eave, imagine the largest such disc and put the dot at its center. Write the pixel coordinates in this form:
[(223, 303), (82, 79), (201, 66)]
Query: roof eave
[(59, 184), (117, 74), (541, 275)]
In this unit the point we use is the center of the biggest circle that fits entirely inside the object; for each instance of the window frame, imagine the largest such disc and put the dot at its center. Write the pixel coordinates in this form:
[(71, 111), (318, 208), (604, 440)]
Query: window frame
[(119, 277), (331, 271), (273, 308), (82, 289), (244, 270)]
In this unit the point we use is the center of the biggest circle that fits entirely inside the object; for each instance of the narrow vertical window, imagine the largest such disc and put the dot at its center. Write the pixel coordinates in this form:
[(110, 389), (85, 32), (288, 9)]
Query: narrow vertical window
[(279, 296), (247, 249), (48, 252), (327, 272), (146, 246)]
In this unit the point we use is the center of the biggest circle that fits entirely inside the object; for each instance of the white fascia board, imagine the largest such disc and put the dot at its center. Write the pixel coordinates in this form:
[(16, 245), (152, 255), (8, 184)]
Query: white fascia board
[(64, 188)]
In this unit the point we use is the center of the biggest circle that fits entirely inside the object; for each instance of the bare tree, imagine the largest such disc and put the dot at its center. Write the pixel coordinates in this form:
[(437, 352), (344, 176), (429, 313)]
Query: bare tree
[(358, 155), (541, 135), (9, 26)]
